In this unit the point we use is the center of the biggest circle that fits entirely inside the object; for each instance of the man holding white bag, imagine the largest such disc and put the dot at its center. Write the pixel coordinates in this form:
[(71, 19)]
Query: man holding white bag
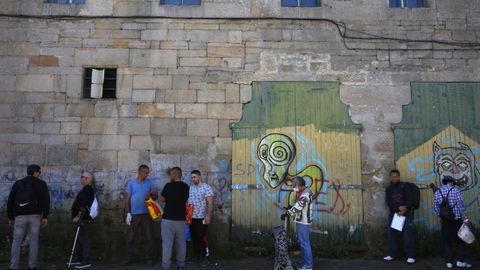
[(449, 206)]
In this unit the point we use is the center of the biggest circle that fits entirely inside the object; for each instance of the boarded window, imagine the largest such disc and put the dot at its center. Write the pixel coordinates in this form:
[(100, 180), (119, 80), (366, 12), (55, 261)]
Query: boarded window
[(109, 83)]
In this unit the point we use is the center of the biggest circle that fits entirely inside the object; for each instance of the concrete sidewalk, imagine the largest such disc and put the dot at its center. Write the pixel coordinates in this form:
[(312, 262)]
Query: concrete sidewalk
[(261, 264)]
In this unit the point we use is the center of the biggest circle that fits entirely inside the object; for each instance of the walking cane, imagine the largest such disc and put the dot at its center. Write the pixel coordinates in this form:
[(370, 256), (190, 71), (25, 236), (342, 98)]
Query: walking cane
[(76, 237)]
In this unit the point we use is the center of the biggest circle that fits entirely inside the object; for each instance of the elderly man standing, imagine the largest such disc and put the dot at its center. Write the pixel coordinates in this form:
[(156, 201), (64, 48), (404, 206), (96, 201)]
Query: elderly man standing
[(28, 207), (201, 196), (138, 190)]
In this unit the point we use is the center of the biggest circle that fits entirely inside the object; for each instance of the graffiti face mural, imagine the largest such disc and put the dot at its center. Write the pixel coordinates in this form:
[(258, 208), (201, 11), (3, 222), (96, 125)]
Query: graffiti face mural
[(456, 162), (276, 152)]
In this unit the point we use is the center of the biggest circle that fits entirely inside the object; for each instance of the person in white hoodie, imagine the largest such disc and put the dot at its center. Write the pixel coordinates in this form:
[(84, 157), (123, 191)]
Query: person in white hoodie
[(302, 216)]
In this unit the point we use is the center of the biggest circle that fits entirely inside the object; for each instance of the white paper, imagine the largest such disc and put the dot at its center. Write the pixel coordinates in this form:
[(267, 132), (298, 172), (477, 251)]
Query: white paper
[(98, 76), (96, 91), (398, 222)]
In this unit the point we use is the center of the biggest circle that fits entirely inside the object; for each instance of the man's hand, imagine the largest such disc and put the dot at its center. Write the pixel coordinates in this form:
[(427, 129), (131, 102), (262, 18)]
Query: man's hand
[(44, 222), (402, 210), (11, 223), (128, 220), (283, 216), (208, 220), (76, 219)]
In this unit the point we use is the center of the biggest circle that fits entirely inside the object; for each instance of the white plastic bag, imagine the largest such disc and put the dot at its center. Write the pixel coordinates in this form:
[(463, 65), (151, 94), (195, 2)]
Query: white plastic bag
[(94, 208), (466, 234)]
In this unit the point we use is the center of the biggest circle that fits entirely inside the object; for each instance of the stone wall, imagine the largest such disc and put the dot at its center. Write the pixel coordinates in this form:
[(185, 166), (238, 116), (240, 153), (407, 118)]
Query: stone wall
[(182, 81)]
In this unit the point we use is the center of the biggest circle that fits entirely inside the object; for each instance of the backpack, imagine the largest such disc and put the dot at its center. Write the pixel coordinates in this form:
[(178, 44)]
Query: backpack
[(415, 190), (446, 211), (93, 211), (26, 199)]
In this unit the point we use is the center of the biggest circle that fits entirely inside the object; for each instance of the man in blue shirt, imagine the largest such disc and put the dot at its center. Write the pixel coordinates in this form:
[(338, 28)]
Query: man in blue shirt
[(452, 218), (138, 190)]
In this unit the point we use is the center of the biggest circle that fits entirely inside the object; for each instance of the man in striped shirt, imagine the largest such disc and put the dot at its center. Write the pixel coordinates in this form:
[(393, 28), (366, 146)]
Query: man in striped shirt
[(451, 220)]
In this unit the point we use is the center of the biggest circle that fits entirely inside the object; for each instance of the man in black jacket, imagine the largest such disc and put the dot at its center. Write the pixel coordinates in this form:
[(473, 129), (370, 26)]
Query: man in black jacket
[(28, 206), (399, 200)]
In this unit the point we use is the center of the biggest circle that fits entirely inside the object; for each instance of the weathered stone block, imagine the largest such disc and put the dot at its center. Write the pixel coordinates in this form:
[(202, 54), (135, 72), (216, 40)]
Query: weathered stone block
[(101, 57), (374, 95), (143, 95), (51, 98), (134, 126), (157, 34), (53, 139), (245, 93), (106, 109), (202, 127), (130, 110), (74, 86), (225, 111), (180, 96), (80, 110), (26, 154), (47, 128), (16, 127), (5, 154), (128, 160), (142, 143), (225, 50), (43, 60), (70, 127), (205, 96), (7, 83), (152, 82), (169, 127), (35, 83), (6, 111), (156, 110), (20, 138), (153, 58), (61, 155), (177, 144), (108, 142), (191, 111), (224, 145), (224, 129), (97, 125), (98, 160), (232, 93)]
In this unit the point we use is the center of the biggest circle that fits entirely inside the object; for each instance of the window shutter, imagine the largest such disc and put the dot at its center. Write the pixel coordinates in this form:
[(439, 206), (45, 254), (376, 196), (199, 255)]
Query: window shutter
[(192, 2), (98, 76), (395, 3), (310, 3), (289, 3), (416, 3)]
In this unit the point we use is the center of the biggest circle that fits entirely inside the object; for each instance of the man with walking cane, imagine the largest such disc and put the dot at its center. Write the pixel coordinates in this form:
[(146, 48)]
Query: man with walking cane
[(82, 217)]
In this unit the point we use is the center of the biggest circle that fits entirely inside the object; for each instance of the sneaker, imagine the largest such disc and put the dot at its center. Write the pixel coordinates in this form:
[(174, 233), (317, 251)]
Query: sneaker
[(305, 268), (411, 260), (388, 258), (83, 265), (463, 265), (74, 263), (449, 265)]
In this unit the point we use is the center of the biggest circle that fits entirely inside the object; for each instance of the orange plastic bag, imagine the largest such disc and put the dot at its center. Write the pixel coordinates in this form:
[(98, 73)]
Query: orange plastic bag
[(189, 213), (154, 209)]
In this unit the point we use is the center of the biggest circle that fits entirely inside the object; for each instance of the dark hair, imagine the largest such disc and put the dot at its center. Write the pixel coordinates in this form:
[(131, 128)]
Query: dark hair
[(448, 179), (176, 169), (197, 172), (94, 180), (299, 181), (33, 168), (143, 166), (394, 171)]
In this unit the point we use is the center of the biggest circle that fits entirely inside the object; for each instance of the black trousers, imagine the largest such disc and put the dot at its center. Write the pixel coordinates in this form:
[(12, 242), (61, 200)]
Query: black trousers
[(450, 238), (140, 223), (83, 247), (199, 234)]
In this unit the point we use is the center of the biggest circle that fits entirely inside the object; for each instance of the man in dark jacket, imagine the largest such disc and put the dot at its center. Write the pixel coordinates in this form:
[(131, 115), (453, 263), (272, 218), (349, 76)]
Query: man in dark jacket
[(28, 206), (81, 217), (399, 200)]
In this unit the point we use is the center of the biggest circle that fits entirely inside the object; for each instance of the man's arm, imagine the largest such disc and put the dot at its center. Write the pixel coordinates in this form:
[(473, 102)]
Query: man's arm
[(299, 205), (408, 197), (128, 197), (45, 204), (437, 200), (391, 204), (208, 219), (10, 204)]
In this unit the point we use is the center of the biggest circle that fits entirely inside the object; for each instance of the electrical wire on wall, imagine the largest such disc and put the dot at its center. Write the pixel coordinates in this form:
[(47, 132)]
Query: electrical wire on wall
[(347, 34)]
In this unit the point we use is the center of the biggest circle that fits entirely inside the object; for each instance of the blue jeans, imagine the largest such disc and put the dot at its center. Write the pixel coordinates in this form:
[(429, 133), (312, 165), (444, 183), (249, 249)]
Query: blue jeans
[(408, 242), (303, 234)]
